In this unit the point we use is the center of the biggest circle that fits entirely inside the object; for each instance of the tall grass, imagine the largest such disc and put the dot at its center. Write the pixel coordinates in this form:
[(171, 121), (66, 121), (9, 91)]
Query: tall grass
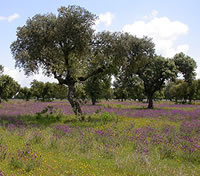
[(51, 143)]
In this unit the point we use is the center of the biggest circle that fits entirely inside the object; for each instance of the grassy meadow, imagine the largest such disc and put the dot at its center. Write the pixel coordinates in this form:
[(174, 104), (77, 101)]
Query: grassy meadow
[(116, 139)]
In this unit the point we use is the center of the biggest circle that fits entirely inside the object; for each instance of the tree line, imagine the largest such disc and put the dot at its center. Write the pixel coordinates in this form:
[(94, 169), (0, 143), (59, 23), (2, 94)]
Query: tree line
[(67, 47)]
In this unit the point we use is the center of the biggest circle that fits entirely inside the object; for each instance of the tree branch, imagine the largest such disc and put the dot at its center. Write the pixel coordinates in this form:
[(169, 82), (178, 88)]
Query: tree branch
[(99, 70)]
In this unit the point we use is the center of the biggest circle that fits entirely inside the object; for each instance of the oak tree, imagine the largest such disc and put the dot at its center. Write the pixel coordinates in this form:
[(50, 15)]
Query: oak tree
[(62, 45)]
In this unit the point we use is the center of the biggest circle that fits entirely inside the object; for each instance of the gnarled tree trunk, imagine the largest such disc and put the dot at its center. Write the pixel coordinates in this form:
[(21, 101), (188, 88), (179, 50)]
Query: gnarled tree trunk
[(73, 100)]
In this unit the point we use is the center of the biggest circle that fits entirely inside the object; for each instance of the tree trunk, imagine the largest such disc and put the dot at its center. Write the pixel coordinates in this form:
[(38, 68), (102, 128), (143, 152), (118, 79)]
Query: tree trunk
[(150, 102), (93, 100), (73, 100)]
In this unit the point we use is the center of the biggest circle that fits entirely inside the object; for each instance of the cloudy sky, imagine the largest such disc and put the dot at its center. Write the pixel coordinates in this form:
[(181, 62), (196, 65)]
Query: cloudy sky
[(173, 25)]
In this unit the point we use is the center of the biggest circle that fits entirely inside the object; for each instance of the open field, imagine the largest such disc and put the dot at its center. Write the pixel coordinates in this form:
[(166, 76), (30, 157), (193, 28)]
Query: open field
[(116, 138)]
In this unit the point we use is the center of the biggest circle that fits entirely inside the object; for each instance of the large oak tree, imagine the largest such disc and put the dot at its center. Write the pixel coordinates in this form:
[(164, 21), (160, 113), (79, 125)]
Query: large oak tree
[(64, 46)]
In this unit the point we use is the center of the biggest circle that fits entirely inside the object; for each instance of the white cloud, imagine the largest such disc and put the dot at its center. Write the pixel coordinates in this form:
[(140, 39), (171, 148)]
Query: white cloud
[(162, 30), (24, 80), (10, 18), (13, 17), (154, 13), (105, 19)]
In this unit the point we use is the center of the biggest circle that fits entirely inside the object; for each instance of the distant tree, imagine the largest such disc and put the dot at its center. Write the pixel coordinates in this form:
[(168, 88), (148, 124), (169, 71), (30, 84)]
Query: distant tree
[(8, 87), (24, 93), (159, 95), (167, 90), (180, 90), (128, 87), (59, 91), (192, 90), (97, 87), (37, 88), (109, 94), (154, 75), (185, 65), (120, 86), (48, 91)]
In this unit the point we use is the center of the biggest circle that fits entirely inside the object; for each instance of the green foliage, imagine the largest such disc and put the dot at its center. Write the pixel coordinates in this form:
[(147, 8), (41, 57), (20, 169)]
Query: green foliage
[(48, 115), (59, 91), (25, 160), (81, 93), (105, 116), (185, 65), (24, 93), (8, 87), (154, 75), (98, 86), (128, 87), (64, 40), (136, 53), (48, 91), (37, 88), (65, 46), (182, 91), (15, 163)]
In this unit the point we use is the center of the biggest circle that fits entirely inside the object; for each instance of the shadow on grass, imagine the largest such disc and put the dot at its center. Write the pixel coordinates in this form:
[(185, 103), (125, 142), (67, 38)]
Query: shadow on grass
[(48, 119), (92, 120), (27, 120)]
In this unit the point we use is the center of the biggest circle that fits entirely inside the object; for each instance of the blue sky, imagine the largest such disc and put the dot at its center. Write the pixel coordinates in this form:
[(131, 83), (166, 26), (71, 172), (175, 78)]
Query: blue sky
[(173, 24)]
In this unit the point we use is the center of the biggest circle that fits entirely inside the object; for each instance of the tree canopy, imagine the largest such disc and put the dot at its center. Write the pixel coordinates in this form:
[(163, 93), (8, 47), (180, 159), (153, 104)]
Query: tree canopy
[(154, 74), (66, 47), (8, 87), (63, 46), (185, 65)]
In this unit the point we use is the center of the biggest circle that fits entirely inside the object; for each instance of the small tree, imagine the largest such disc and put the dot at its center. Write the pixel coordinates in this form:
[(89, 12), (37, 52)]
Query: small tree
[(186, 66), (37, 89), (128, 87), (97, 87), (8, 87), (24, 93), (154, 74)]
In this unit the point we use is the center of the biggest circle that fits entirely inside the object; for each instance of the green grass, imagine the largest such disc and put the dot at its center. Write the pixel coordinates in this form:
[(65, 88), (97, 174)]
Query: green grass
[(84, 152)]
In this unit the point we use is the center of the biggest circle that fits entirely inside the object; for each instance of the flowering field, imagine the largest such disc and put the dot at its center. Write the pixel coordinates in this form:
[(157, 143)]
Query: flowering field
[(116, 138)]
